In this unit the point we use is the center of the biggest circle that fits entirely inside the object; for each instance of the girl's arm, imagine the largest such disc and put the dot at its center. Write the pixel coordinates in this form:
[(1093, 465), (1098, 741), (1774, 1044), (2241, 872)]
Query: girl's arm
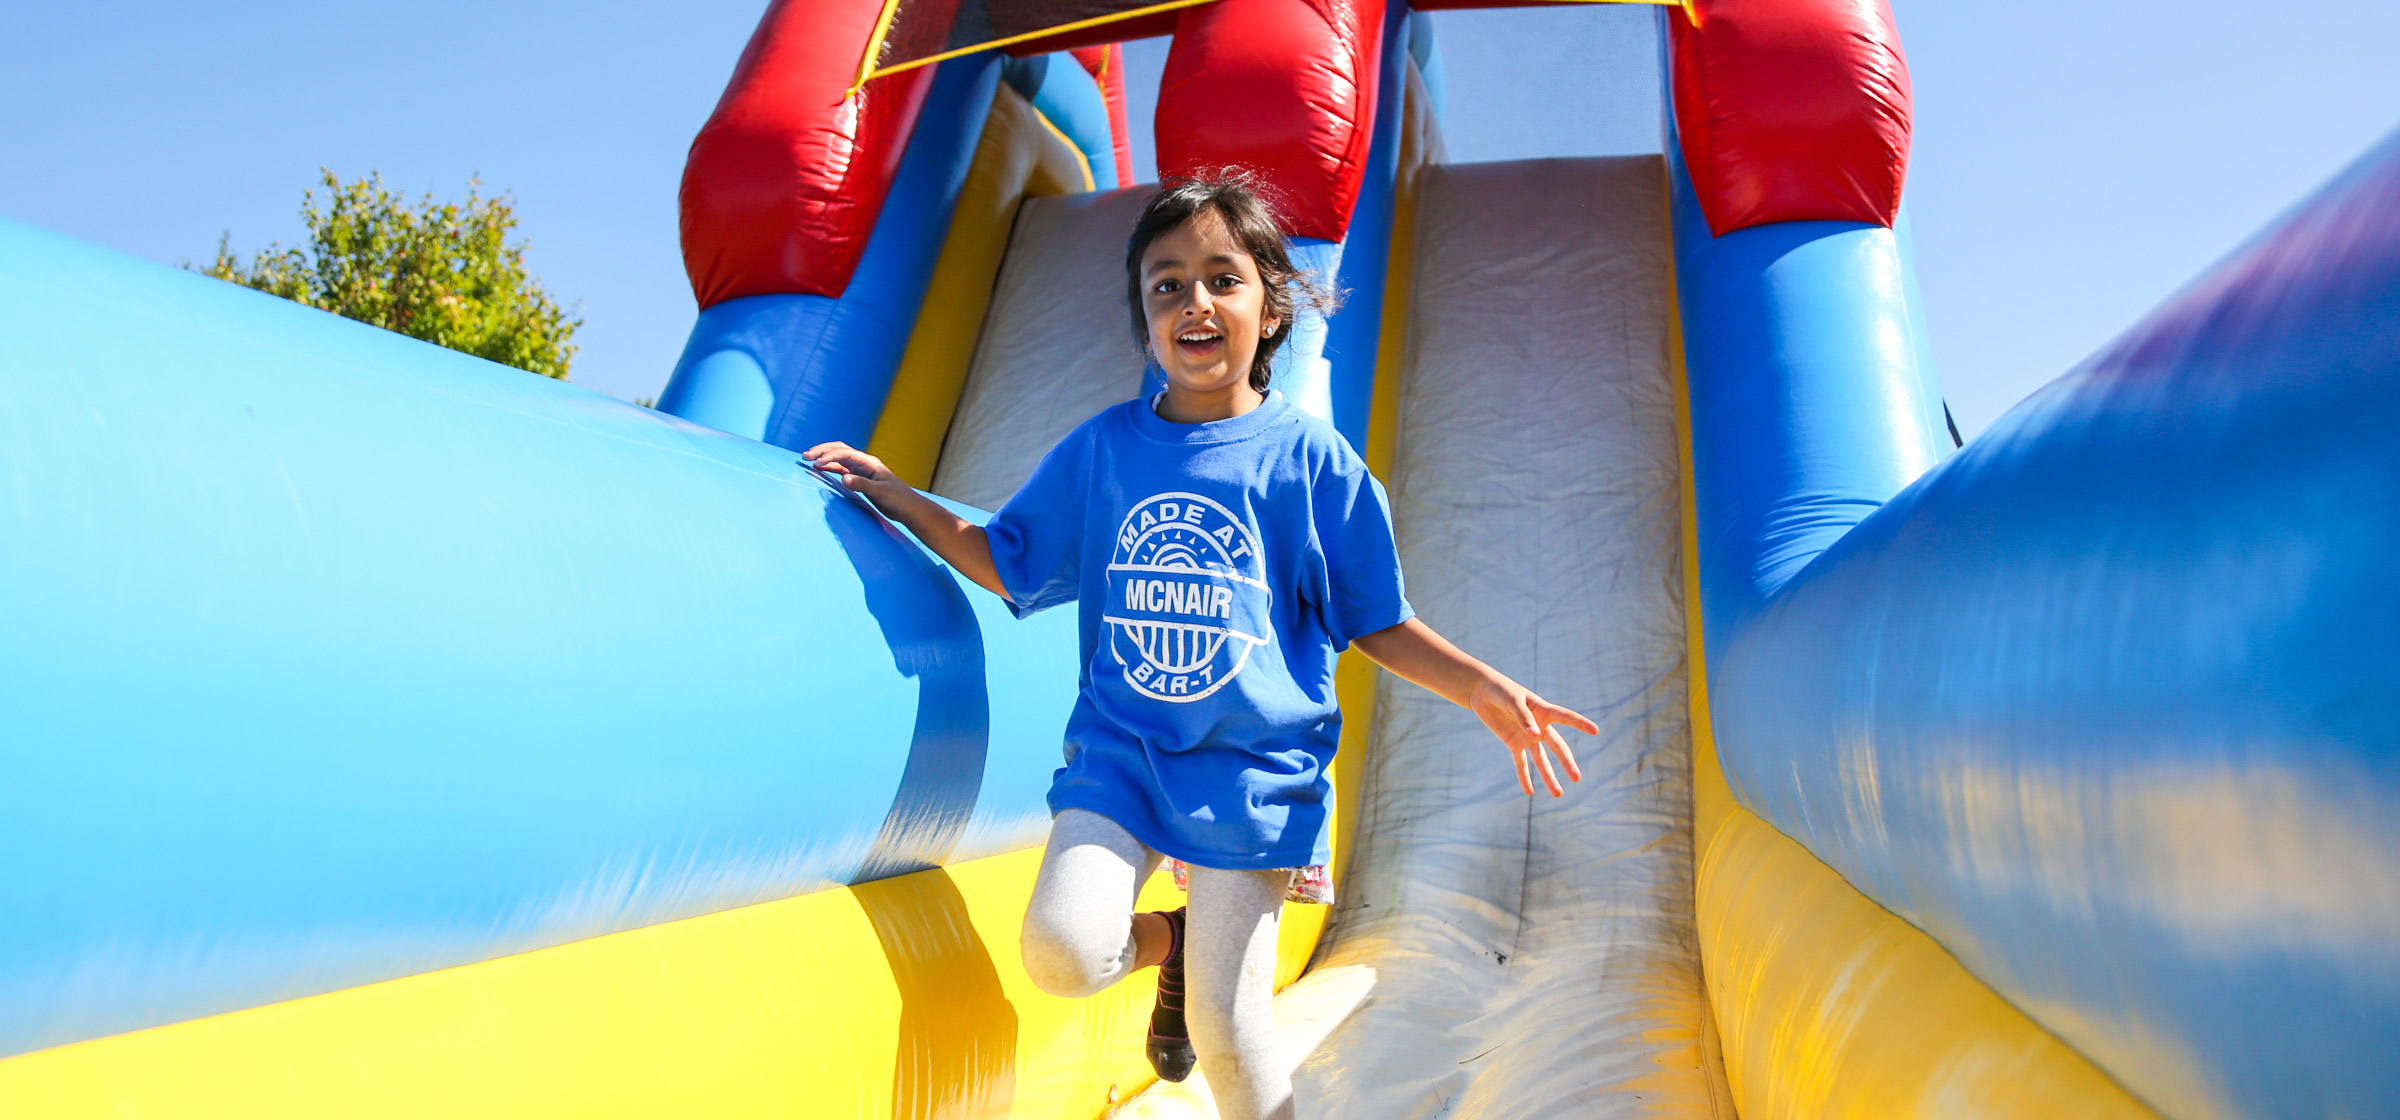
[(1523, 721), (951, 537)]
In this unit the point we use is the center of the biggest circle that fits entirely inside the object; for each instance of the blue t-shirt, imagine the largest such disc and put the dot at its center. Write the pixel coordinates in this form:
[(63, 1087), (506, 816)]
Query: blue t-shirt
[(1219, 568)]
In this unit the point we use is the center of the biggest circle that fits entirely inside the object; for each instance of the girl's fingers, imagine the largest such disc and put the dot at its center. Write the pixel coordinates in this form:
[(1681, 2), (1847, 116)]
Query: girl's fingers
[(1524, 777), (1568, 716), (1566, 756), (1549, 777), (841, 458)]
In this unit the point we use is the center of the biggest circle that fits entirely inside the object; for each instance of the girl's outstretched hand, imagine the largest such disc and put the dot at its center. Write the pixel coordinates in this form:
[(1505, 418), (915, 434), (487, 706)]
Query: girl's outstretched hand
[(1526, 723)]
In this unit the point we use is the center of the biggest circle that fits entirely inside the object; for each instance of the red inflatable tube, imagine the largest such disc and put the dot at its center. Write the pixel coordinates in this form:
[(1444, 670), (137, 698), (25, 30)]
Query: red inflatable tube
[(1791, 110), (1107, 67), (1284, 87), (785, 180)]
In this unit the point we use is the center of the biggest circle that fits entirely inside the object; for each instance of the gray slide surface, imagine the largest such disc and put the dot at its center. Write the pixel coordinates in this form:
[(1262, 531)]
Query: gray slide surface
[(1056, 346), (1532, 957)]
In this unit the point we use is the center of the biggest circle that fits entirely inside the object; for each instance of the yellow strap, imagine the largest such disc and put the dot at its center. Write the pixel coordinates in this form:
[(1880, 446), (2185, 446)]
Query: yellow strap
[(1061, 29), (883, 27)]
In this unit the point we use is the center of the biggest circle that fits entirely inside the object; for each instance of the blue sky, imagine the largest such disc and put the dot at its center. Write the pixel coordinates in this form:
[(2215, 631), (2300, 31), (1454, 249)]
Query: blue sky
[(2073, 165)]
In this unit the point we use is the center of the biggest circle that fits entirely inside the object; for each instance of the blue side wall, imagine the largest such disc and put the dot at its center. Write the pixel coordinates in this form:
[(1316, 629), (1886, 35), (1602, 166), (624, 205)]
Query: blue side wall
[(2110, 703), (332, 656)]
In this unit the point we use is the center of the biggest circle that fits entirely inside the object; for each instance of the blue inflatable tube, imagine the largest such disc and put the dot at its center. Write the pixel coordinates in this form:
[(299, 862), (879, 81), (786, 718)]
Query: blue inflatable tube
[(1806, 390), (1353, 338), (1428, 53), (2107, 703), (1937, 418), (797, 370), (1068, 97), (617, 669)]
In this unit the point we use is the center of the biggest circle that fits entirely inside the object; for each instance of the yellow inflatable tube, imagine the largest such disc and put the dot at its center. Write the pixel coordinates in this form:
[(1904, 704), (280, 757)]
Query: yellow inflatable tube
[(899, 998)]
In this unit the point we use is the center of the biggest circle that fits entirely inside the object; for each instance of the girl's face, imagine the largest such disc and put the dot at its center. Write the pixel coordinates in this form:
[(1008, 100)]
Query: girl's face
[(1205, 305)]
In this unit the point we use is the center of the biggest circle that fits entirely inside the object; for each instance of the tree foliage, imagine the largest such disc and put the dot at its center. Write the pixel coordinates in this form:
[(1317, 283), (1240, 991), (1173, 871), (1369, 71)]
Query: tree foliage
[(440, 271)]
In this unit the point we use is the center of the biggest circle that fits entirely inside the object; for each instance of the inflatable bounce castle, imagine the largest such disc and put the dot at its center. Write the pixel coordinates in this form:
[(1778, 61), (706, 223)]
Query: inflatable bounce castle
[(388, 733)]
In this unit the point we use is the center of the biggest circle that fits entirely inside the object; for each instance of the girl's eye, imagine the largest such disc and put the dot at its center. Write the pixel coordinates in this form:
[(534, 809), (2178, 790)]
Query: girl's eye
[(1228, 282), (1164, 288)]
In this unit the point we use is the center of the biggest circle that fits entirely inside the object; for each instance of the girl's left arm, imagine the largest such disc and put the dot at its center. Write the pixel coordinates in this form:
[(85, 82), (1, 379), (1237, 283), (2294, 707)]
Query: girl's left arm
[(1523, 721)]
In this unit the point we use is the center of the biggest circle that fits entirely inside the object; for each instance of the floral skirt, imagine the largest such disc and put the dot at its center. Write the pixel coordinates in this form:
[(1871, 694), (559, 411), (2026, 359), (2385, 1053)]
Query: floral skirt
[(1311, 884)]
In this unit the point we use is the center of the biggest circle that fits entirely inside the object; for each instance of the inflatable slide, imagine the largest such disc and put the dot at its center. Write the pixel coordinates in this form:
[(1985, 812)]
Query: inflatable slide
[(388, 733)]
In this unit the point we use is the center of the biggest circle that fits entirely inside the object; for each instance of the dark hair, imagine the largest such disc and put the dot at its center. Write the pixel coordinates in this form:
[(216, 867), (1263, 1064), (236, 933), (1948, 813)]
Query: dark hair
[(1238, 198)]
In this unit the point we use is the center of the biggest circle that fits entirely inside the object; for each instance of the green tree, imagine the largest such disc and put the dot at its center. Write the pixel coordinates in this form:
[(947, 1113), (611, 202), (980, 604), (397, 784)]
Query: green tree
[(443, 272)]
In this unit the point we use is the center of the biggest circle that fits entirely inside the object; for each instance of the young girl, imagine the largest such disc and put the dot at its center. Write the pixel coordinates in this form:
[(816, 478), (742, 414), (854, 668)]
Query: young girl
[(1223, 547)]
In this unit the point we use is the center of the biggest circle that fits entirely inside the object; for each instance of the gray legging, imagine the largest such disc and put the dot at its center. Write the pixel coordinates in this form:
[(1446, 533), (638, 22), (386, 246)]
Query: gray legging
[(1079, 939)]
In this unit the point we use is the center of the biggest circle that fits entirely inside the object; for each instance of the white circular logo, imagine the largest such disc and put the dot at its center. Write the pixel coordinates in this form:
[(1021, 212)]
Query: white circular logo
[(1187, 597)]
